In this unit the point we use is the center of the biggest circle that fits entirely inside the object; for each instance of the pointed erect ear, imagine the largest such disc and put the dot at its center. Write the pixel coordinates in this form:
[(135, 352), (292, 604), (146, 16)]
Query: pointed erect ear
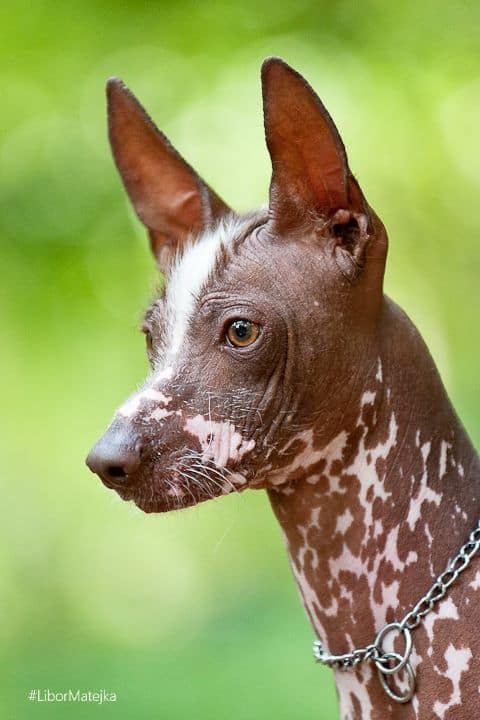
[(171, 200), (310, 174)]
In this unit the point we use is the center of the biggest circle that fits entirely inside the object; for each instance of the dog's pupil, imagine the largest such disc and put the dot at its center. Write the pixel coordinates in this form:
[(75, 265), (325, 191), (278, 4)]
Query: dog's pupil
[(242, 328)]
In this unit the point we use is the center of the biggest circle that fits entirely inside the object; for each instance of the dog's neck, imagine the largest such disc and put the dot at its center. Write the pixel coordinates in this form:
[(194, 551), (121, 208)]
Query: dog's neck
[(373, 517)]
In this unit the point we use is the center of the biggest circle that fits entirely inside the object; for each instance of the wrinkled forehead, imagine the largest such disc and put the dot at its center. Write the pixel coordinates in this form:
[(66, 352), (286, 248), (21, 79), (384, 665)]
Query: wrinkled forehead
[(202, 265)]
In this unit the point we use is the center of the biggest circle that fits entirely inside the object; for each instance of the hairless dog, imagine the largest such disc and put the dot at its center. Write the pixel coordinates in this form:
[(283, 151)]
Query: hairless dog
[(278, 363)]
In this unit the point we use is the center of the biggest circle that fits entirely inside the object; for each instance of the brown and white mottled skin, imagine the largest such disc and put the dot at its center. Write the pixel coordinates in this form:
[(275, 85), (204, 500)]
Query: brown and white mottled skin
[(336, 409)]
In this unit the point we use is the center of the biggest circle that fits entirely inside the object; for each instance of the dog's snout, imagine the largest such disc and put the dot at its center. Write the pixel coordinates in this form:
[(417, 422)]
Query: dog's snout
[(116, 457)]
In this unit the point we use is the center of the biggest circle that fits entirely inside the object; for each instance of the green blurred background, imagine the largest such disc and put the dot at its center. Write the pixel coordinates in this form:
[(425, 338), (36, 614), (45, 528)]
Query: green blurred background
[(193, 615)]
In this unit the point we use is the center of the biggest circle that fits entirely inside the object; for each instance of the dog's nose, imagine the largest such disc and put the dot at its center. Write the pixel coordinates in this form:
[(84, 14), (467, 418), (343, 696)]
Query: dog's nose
[(116, 456)]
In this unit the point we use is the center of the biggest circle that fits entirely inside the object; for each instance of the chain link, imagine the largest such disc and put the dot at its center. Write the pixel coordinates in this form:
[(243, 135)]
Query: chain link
[(382, 658)]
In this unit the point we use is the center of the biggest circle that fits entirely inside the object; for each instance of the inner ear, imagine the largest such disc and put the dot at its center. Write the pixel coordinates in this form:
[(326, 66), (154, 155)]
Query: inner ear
[(310, 173), (349, 231), (169, 197)]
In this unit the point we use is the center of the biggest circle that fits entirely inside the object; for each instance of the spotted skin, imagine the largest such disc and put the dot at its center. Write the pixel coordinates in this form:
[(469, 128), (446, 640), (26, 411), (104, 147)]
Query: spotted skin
[(336, 410), (374, 518)]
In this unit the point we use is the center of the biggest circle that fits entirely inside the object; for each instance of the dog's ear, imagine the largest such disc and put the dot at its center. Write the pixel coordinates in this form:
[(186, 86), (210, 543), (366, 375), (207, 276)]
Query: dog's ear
[(310, 173), (171, 200)]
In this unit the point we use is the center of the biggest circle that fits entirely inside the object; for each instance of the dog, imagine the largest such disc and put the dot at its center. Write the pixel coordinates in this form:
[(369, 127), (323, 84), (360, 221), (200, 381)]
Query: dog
[(278, 363)]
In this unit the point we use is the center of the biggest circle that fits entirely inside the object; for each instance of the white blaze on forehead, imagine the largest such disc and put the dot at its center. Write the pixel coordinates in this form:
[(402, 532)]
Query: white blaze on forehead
[(189, 275), (185, 283), (220, 441)]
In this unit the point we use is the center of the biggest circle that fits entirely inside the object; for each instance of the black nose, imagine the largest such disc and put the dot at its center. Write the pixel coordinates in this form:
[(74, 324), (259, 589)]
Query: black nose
[(116, 456)]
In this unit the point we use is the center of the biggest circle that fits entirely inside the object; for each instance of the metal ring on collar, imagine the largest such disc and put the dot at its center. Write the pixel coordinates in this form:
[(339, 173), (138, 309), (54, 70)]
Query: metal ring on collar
[(410, 675), (385, 656)]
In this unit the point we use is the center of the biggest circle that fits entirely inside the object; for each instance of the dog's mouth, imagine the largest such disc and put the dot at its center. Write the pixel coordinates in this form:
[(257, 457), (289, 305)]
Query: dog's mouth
[(181, 486)]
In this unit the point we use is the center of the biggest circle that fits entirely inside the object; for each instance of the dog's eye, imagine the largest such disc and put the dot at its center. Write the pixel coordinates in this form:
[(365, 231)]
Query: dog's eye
[(241, 333)]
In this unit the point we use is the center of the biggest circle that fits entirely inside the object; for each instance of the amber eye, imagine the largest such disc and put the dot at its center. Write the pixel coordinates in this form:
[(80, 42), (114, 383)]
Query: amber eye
[(242, 333)]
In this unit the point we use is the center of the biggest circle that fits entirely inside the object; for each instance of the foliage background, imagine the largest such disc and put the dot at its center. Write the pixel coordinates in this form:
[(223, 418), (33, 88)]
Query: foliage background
[(193, 615)]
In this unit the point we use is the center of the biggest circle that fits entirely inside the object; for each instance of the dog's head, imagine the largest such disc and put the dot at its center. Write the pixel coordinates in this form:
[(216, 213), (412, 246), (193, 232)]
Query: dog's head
[(266, 320)]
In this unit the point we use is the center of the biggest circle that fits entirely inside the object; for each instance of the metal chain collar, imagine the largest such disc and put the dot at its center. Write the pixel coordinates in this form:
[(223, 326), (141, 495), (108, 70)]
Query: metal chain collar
[(389, 662)]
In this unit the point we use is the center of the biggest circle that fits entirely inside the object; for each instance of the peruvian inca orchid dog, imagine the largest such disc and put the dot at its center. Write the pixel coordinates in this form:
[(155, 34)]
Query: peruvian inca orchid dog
[(278, 363)]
